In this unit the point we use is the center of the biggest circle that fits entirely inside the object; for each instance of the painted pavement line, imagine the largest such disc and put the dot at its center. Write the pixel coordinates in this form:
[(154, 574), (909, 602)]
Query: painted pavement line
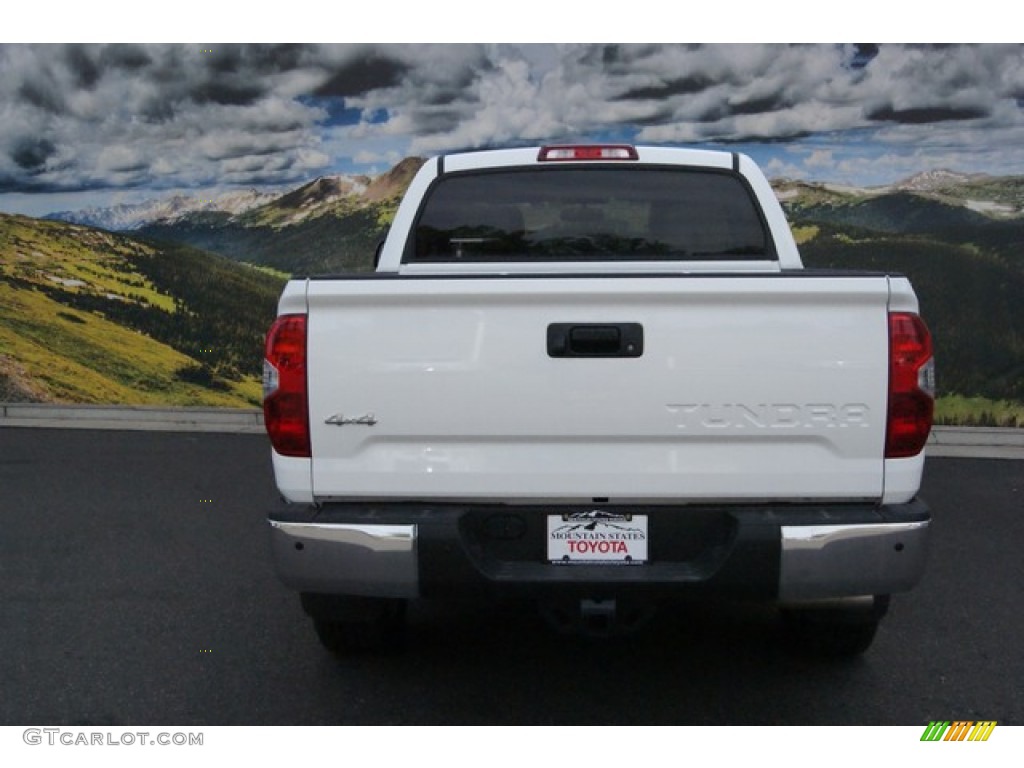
[(966, 442)]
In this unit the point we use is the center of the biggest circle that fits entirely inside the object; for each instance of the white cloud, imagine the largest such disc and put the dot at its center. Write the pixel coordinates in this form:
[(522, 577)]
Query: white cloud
[(364, 157), (119, 158), (820, 158), (162, 116)]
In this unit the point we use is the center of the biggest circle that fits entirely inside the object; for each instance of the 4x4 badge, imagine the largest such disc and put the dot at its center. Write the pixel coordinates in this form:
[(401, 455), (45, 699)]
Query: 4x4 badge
[(339, 420)]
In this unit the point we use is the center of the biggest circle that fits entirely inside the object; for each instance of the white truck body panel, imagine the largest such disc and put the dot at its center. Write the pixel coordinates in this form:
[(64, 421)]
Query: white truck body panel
[(749, 388)]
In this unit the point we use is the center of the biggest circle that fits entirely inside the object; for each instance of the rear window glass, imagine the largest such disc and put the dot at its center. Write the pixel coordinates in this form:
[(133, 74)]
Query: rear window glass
[(590, 214)]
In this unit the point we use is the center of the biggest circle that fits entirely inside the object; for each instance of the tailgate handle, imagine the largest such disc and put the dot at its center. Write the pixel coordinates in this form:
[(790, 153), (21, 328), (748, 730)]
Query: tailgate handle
[(595, 340)]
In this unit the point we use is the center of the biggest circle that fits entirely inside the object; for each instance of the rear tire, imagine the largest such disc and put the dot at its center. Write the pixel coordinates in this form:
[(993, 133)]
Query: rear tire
[(348, 625), (833, 633)]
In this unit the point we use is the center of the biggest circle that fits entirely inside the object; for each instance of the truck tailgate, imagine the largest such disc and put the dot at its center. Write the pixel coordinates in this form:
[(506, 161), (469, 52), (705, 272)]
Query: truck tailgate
[(737, 388)]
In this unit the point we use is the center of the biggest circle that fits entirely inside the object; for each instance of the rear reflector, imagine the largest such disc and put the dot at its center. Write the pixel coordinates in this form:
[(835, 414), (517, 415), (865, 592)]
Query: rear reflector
[(285, 401), (911, 386), (588, 152)]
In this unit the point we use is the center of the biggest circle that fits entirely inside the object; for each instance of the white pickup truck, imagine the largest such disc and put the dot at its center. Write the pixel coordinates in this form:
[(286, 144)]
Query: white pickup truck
[(598, 376)]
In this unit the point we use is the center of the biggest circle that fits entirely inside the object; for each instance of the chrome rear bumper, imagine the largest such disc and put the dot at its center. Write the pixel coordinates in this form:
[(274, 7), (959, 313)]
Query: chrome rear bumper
[(773, 554), (826, 561), (336, 558)]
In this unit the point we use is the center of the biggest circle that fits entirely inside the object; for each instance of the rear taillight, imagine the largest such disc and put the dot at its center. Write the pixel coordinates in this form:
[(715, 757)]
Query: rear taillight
[(588, 152), (285, 401), (911, 386)]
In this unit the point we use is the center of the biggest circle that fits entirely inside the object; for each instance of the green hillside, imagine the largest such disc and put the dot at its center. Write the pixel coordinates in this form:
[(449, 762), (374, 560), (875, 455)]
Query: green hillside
[(323, 227), (903, 213), (339, 241), (88, 316)]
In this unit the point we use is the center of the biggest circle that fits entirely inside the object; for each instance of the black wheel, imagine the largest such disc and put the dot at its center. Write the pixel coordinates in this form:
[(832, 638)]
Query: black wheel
[(357, 625), (833, 633)]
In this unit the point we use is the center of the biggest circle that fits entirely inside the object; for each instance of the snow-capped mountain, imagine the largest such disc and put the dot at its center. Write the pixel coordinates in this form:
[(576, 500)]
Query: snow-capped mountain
[(928, 181), (132, 216), (283, 207)]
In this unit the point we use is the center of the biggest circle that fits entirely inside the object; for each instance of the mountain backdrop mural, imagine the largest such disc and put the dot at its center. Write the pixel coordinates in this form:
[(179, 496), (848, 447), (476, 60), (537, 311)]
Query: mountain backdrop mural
[(154, 198), (172, 308)]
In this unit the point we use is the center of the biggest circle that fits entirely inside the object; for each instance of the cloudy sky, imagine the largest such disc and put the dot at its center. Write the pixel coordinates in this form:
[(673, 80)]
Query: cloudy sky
[(97, 124)]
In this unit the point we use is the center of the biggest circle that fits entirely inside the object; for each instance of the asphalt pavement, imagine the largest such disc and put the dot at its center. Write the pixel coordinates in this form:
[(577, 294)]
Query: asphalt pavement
[(136, 587)]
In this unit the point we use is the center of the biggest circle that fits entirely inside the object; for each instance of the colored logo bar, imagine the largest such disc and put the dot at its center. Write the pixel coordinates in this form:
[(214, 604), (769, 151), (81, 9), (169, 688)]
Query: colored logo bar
[(958, 730)]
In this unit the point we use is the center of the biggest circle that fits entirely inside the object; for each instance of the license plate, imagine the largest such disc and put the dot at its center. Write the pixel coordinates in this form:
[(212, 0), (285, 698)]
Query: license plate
[(597, 537)]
